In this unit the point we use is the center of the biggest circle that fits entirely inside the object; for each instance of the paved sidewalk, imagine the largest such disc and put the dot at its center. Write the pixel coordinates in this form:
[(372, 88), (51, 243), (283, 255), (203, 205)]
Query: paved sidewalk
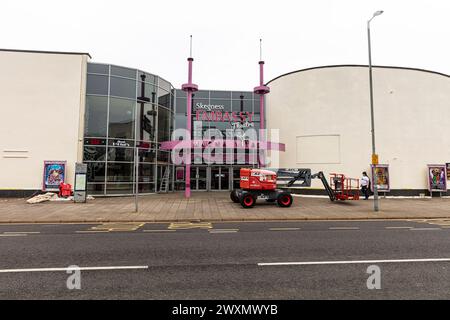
[(215, 206)]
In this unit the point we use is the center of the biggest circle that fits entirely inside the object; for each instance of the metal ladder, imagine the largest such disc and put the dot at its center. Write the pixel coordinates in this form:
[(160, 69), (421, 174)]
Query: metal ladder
[(164, 186)]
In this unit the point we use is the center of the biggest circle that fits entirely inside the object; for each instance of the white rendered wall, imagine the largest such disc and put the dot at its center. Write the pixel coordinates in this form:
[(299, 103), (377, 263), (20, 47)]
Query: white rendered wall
[(42, 98), (325, 113)]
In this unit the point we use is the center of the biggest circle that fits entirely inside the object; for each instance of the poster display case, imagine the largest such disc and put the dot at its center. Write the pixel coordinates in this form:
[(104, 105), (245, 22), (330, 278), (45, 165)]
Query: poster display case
[(380, 176), (54, 174)]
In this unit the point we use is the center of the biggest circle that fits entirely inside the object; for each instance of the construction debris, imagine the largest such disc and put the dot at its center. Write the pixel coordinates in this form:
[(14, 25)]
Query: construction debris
[(50, 196), (42, 198)]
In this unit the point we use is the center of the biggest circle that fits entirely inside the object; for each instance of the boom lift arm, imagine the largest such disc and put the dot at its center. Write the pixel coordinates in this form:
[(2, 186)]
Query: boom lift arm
[(328, 189), (305, 176)]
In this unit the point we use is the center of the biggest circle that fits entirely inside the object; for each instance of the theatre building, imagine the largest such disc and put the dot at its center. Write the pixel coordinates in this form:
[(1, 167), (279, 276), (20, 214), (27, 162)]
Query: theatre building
[(63, 108), (60, 107)]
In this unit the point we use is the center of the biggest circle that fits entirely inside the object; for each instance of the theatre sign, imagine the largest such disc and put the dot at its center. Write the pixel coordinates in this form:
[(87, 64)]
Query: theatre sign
[(217, 113)]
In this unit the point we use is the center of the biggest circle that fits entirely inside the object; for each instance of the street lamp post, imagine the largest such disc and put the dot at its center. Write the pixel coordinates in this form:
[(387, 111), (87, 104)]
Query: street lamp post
[(374, 155)]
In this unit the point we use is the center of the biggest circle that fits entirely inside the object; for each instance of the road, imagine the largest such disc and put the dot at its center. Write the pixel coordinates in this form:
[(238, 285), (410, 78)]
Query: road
[(227, 260)]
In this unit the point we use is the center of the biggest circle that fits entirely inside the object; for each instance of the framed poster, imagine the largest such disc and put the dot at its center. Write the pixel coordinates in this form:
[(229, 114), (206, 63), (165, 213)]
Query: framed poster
[(179, 174), (448, 170), (437, 178), (54, 174), (380, 176)]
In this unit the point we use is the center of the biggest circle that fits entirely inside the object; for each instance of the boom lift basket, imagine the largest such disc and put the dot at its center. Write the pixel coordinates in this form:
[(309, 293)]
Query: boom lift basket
[(344, 188)]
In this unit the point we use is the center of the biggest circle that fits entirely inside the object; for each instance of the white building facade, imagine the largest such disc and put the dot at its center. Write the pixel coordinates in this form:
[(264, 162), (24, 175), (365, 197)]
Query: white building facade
[(323, 115), (58, 106), (42, 99)]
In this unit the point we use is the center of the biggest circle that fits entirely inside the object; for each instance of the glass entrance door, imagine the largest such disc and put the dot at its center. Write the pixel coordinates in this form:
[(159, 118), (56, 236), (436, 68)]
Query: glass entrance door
[(225, 178), (220, 178), (199, 178), (202, 178), (215, 178)]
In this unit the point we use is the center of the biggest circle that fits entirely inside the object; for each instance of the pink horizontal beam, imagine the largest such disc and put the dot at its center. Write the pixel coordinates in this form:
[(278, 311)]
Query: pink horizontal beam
[(170, 145)]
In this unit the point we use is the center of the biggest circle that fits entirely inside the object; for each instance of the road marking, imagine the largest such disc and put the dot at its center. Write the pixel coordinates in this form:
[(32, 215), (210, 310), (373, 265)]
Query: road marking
[(223, 230), (91, 231), (343, 228), (190, 225), (159, 230), (21, 232), (309, 263), (444, 223), (283, 229), (13, 235), (67, 269), (425, 229), (118, 226), (399, 227)]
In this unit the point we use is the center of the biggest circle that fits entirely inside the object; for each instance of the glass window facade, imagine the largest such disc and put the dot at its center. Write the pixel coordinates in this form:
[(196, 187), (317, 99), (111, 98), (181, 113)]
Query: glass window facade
[(129, 110), (126, 108), (96, 122), (220, 112)]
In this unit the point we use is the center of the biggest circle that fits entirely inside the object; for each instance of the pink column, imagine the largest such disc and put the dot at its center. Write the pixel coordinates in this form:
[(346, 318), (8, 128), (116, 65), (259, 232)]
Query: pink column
[(189, 88), (261, 90), (261, 96)]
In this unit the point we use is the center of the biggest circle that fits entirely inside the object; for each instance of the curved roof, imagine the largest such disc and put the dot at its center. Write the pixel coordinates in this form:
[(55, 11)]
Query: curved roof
[(359, 66)]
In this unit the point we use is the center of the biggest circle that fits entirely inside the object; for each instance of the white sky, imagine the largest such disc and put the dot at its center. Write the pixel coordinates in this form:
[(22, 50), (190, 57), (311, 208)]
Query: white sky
[(154, 35)]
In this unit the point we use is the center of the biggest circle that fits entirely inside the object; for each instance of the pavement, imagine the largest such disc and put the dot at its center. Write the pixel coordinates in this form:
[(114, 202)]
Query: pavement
[(216, 207), (244, 260)]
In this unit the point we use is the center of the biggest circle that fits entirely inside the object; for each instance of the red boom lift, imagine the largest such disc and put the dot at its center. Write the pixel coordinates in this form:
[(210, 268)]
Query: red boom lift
[(260, 183)]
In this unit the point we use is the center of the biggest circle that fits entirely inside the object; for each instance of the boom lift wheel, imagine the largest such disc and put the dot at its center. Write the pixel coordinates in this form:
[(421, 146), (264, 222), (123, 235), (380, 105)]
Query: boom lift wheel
[(234, 196), (284, 199), (247, 200)]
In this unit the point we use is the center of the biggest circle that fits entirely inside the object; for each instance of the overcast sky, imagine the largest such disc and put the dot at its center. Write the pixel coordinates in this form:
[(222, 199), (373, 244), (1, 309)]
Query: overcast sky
[(154, 35)]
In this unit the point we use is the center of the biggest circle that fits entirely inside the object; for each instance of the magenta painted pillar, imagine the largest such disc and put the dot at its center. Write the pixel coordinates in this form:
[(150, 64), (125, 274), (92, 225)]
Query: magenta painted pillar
[(189, 88), (261, 90)]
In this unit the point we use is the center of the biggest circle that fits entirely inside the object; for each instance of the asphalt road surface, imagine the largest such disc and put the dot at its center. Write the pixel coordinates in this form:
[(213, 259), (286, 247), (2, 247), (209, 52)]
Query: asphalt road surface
[(257, 260)]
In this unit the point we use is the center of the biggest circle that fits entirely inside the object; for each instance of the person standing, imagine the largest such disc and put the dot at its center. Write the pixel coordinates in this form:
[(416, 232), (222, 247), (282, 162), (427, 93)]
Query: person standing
[(365, 181)]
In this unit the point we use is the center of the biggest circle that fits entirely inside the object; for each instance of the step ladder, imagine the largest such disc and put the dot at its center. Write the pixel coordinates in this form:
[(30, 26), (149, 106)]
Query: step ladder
[(164, 186)]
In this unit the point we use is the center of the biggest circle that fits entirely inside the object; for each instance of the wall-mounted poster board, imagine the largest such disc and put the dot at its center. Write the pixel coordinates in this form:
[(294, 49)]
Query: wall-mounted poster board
[(54, 174), (437, 178), (380, 176), (448, 170)]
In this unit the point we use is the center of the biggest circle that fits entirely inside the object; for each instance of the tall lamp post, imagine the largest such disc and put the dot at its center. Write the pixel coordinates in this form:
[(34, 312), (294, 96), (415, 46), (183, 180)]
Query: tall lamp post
[(374, 155)]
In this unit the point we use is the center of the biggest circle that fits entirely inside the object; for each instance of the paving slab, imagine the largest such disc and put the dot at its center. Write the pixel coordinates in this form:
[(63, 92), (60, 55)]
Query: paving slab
[(216, 206)]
